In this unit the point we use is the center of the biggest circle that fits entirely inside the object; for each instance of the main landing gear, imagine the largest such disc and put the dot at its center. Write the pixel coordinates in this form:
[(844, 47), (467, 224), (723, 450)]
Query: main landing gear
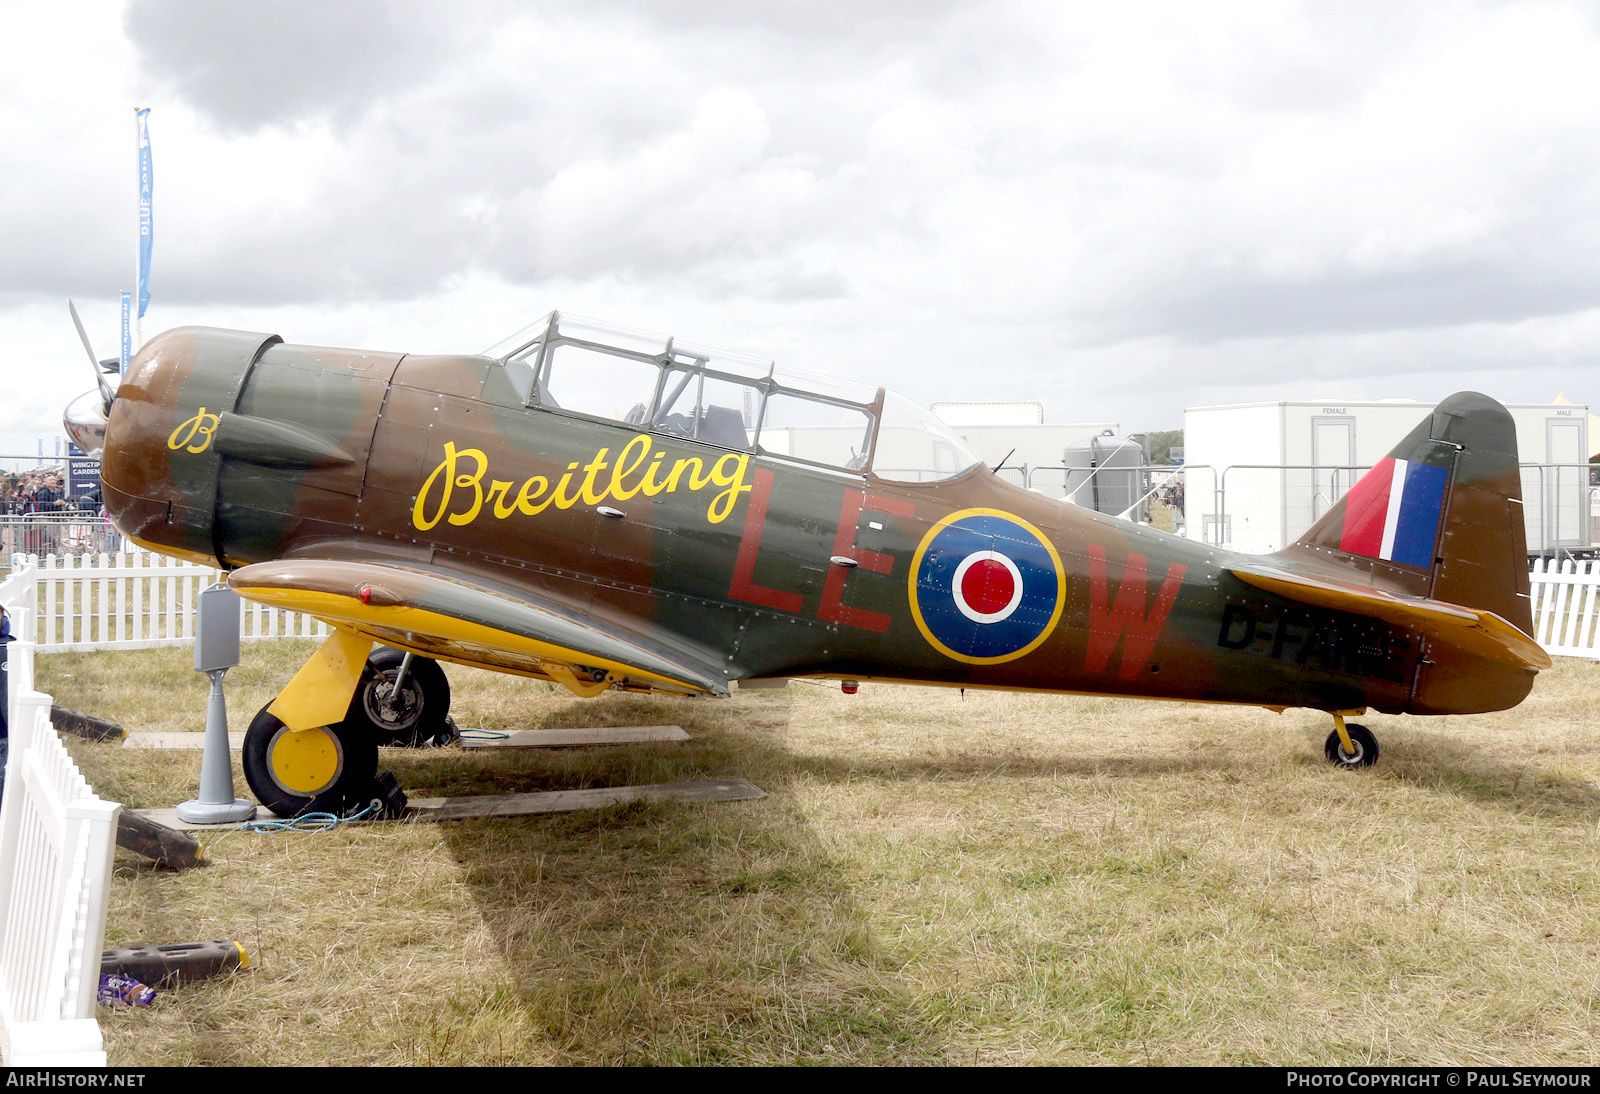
[(1350, 746), (328, 769), (403, 700), (400, 699)]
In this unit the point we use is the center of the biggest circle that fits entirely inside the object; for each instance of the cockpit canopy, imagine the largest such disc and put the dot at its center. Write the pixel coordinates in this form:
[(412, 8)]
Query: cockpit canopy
[(652, 381)]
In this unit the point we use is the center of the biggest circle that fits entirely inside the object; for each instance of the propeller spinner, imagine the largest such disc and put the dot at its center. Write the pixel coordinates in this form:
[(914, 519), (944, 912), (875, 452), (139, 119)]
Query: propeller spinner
[(85, 417)]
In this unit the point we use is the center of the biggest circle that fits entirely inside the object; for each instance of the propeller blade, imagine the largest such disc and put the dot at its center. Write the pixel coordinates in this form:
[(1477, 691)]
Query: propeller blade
[(107, 393)]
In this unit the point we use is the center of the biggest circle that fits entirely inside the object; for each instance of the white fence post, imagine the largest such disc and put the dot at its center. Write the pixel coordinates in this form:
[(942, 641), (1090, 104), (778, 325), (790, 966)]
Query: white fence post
[(1565, 597)]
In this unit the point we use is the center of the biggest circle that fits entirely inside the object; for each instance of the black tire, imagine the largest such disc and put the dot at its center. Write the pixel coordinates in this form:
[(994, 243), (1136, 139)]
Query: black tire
[(356, 756), (1366, 748), (421, 710)]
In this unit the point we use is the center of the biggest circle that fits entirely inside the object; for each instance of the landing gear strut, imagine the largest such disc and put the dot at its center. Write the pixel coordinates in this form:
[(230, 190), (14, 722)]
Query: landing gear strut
[(1350, 746)]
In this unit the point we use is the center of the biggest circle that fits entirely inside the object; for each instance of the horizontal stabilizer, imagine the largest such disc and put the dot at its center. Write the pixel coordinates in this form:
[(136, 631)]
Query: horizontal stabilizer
[(1469, 629)]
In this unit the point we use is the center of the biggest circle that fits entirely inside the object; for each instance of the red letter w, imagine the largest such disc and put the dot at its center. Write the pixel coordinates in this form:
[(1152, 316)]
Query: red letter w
[(1126, 615)]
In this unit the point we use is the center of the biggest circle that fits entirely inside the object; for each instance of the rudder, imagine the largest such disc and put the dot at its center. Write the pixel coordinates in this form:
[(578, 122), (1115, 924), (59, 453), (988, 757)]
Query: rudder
[(1439, 517)]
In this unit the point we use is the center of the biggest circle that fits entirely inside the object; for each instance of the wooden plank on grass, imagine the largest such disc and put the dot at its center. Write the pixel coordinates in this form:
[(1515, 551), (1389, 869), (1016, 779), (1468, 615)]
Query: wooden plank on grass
[(565, 801), (527, 805), (569, 738), (85, 725), (522, 738), (163, 843), (169, 818), (195, 741)]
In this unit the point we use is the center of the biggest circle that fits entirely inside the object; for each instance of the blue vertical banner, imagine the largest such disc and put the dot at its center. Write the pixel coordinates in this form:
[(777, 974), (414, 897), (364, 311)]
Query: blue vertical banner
[(145, 223), (127, 330)]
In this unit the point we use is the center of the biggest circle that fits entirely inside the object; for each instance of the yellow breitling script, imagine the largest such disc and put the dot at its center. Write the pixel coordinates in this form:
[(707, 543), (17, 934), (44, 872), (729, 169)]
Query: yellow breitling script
[(202, 425), (456, 489)]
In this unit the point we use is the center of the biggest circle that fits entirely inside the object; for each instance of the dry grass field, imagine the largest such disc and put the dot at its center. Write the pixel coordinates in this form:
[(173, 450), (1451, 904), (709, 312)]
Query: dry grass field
[(933, 879)]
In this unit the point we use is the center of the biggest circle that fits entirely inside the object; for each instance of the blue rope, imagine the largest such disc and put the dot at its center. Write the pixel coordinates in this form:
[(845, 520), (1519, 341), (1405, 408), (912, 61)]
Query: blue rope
[(310, 822)]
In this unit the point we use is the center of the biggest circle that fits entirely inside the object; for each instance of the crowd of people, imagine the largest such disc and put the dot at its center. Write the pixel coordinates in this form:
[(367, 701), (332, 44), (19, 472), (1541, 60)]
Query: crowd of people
[(35, 511), (33, 492)]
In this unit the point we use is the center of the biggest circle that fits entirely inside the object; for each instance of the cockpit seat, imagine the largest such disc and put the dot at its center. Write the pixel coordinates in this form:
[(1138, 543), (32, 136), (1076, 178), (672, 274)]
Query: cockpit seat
[(724, 426)]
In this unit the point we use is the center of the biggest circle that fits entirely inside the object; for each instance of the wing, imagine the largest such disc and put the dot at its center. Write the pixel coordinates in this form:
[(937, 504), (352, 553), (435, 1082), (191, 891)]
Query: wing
[(1471, 630), (442, 615)]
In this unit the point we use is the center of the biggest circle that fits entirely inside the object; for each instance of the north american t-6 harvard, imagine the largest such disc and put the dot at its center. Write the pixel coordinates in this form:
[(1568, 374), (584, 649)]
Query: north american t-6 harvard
[(607, 508)]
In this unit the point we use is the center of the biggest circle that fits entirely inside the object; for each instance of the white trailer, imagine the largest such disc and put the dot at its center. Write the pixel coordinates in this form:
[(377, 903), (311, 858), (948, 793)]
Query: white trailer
[(1034, 450), (1037, 452), (1276, 467)]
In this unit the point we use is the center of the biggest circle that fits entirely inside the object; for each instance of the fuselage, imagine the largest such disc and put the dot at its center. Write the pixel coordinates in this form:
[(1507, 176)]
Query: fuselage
[(235, 448)]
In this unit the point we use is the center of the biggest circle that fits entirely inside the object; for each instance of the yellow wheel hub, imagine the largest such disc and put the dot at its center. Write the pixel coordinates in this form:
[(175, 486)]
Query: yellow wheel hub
[(305, 761)]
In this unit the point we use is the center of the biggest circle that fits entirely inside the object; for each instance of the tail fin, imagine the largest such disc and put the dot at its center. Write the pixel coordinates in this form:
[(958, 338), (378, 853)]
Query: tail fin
[(1439, 517)]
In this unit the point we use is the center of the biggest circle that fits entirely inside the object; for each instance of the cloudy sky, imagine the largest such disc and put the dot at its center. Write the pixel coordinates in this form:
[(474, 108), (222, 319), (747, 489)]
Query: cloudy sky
[(1118, 209)]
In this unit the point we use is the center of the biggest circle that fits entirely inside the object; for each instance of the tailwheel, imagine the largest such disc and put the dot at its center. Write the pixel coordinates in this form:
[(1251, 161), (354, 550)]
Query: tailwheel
[(328, 769), (402, 699), (1362, 750)]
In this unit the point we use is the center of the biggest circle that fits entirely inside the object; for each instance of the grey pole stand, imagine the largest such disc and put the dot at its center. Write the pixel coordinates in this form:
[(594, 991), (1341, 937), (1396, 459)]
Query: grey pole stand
[(216, 650)]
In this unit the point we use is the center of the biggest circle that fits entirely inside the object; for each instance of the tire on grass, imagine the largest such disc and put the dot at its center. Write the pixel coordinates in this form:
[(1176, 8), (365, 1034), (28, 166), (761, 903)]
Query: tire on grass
[(1366, 744)]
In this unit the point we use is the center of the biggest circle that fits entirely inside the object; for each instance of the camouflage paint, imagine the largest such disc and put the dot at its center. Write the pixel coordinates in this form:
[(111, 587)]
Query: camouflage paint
[(594, 546)]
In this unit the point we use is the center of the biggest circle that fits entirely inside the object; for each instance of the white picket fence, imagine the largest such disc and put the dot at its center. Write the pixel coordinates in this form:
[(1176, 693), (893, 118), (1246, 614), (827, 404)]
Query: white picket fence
[(135, 600), (1566, 607), (56, 843)]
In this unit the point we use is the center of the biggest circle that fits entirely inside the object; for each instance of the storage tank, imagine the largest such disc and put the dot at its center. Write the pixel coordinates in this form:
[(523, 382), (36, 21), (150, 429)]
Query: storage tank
[(1105, 472)]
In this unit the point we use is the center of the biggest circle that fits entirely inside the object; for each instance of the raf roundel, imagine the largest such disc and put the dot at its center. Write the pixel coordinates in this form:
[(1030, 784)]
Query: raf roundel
[(986, 587)]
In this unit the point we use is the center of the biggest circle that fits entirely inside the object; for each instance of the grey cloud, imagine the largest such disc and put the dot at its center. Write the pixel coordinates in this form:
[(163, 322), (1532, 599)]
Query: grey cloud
[(1102, 206), (1440, 295), (245, 64), (62, 250), (592, 162), (845, 24)]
